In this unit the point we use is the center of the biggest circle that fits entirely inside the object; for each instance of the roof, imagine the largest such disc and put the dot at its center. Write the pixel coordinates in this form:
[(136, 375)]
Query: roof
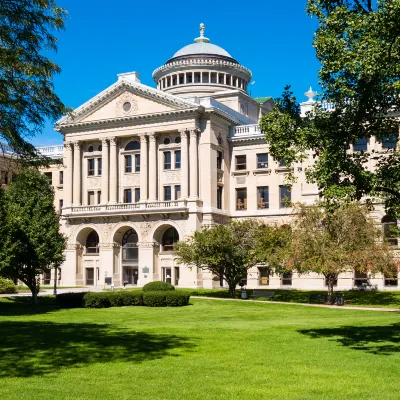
[(202, 48), (262, 100)]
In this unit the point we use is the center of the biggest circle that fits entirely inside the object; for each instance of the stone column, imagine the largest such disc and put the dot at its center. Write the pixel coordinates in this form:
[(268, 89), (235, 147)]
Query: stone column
[(67, 186), (152, 166), (193, 164), (184, 164), (143, 168), (113, 170), (104, 172), (77, 174)]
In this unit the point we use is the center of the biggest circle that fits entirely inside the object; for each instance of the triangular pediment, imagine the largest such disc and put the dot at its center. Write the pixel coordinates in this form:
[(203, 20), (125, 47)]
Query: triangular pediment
[(126, 99)]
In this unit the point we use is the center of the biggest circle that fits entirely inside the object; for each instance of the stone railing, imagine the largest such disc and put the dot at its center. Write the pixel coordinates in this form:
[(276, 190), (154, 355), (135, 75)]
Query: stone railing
[(51, 151), (246, 131)]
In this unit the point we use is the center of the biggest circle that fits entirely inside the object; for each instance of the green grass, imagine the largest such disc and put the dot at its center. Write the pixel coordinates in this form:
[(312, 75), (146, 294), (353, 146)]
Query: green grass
[(208, 350)]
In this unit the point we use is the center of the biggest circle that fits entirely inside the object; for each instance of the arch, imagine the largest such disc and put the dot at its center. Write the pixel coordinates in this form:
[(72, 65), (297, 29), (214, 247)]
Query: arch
[(82, 234), (133, 145), (159, 230), (120, 230), (92, 242), (169, 238)]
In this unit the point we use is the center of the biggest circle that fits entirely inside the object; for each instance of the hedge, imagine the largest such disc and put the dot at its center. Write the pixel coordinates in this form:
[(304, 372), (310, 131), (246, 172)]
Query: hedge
[(164, 299), (158, 286), (70, 300)]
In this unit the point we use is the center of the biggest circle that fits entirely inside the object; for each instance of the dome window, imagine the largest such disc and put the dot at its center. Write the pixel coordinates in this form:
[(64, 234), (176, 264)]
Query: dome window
[(197, 77), (205, 77), (213, 77), (181, 79), (133, 145), (178, 139), (167, 141)]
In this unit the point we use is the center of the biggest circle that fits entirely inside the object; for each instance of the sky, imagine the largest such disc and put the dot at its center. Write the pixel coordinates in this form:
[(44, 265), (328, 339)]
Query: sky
[(104, 38)]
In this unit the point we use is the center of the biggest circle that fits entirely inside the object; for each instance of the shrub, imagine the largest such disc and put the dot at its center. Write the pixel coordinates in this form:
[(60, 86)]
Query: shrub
[(6, 286), (97, 300), (163, 299), (70, 300), (177, 299), (154, 299), (157, 286), (119, 299)]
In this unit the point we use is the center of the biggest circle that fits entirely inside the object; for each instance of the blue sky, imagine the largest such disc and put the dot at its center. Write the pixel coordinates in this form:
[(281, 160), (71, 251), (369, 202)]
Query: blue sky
[(103, 38)]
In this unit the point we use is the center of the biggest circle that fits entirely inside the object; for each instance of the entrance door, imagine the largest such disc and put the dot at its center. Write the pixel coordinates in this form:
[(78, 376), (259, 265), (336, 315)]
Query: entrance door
[(167, 275), (89, 276), (131, 275)]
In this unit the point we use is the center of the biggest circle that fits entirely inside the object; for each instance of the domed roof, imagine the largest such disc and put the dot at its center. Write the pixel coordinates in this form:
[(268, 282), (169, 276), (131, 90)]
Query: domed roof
[(202, 46)]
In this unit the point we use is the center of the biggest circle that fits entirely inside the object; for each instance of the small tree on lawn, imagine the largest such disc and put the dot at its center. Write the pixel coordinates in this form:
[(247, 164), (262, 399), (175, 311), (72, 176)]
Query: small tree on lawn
[(333, 241), (32, 241), (229, 251)]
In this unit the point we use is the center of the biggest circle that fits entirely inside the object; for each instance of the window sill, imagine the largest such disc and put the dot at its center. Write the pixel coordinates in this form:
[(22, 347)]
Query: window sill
[(283, 169), (240, 172), (262, 171)]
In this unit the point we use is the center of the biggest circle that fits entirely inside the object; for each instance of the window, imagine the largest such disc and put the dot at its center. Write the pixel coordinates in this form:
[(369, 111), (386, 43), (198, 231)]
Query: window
[(287, 279), (389, 141), (90, 198), (128, 163), (177, 139), (137, 195), (61, 177), (49, 176), (90, 149), (91, 166), (263, 276), (361, 144), (283, 163), (167, 141), (137, 162), (220, 157), (241, 199), (360, 278), (4, 177), (47, 277), (285, 196), (167, 193), (177, 192), (92, 243), (167, 160), (128, 196), (100, 147), (240, 162), (262, 197), (133, 145), (262, 160), (219, 197), (170, 237), (99, 197), (60, 204), (391, 280), (99, 165), (389, 228), (177, 159)]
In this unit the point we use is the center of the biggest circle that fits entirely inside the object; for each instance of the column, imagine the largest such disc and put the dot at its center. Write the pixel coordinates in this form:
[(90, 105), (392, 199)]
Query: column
[(104, 172), (143, 168), (193, 164), (184, 164), (113, 170), (77, 174), (67, 186), (152, 166)]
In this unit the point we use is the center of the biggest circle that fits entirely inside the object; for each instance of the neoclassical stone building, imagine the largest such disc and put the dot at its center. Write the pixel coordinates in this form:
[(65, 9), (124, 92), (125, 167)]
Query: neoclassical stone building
[(145, 167)]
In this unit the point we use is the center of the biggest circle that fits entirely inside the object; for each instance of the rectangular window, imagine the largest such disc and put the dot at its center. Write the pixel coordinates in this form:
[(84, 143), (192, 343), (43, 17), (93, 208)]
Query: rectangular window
[(241, 199), (167, 160), (4, 177), (177, 159), (287, 279), (389, 141), (219, 197), (128, 163), (99, 165), (128, 196), (391, 281), (91, 166), (240, 163), (262, 197), (60, 204), (167, 193), (137, 162), (137, 195), (49, 176), (99, 197), (283, 163), (285, 196), (262, 160), (91, 198), (263, 276), (360, 279), (361, 144), (177, 192), (220, 157), (61, 177)]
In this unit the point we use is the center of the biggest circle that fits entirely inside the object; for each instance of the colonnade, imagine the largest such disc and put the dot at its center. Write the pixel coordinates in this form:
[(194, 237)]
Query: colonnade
[(110, 155)]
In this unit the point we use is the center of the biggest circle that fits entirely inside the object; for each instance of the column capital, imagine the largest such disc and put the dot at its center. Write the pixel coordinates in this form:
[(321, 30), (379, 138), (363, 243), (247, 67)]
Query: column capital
[(152, 136), (143, 138), (113, 141), (68, 146), (77, 145), (183, 132), (194, 132), (104, 141)]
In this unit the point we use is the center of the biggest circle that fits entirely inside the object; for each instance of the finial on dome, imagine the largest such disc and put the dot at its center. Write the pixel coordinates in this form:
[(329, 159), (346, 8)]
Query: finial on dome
[(310, 94), (202, 38)]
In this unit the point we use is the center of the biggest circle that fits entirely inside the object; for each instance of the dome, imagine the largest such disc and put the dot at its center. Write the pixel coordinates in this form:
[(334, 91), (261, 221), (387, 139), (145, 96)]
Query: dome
[(202, 48)]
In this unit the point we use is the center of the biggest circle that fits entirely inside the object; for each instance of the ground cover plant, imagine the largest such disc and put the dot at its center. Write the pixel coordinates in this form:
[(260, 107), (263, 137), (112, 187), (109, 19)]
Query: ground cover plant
[(209, 350)]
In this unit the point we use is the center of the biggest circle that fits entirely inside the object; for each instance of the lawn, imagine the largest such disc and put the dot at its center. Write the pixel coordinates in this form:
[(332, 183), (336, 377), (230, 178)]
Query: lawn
[(208, 350)]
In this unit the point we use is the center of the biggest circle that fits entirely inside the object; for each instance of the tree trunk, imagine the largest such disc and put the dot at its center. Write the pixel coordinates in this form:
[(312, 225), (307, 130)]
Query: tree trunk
[(32, 285), (232, 289), (330, 280)]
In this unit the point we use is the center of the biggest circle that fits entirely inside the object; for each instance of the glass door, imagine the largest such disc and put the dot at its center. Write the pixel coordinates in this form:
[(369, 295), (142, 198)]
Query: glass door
[(89, 276)]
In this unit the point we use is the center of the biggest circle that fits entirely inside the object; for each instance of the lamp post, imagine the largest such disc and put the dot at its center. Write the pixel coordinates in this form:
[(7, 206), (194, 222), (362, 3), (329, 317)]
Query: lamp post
[(55, 281)]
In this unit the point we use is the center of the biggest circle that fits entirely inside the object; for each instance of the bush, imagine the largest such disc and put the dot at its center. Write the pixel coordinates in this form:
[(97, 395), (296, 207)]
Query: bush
[(164, 299), (70, 300), (97, 300), (119, 299), (157, 286), (177, 299), (6, 286)]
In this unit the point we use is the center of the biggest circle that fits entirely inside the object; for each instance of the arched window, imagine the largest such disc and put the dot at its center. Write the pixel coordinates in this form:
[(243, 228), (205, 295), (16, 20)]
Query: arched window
[(90, 149), (133, 145), (129, 246), (389, 227), (92, 243), (170, 237)]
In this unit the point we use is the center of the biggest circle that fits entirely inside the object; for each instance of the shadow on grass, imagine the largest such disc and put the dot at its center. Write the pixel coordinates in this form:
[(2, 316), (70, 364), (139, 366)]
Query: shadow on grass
[(39, 348), (380, 340), (23, 305)]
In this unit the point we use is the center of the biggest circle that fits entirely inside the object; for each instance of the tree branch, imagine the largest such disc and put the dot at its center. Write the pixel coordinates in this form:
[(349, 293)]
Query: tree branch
[(361, 7), (388, 190)]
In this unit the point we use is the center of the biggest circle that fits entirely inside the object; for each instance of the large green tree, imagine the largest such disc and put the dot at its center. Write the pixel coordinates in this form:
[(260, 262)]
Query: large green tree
[(358, 46), (27, 97), (30, 238), (229, 251)]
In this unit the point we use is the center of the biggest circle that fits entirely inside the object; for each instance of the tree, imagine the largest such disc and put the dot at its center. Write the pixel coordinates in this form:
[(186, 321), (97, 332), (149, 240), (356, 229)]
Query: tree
[(229, 251), (330, 243), (32, 241), (27, 97), (358, 46)]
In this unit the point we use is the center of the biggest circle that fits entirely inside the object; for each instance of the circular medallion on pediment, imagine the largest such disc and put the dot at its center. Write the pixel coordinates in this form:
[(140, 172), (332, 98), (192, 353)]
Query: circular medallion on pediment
[(126, 104)]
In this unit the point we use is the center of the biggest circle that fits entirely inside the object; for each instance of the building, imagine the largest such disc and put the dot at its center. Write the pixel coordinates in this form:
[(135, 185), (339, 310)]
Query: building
[(145, 167)]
